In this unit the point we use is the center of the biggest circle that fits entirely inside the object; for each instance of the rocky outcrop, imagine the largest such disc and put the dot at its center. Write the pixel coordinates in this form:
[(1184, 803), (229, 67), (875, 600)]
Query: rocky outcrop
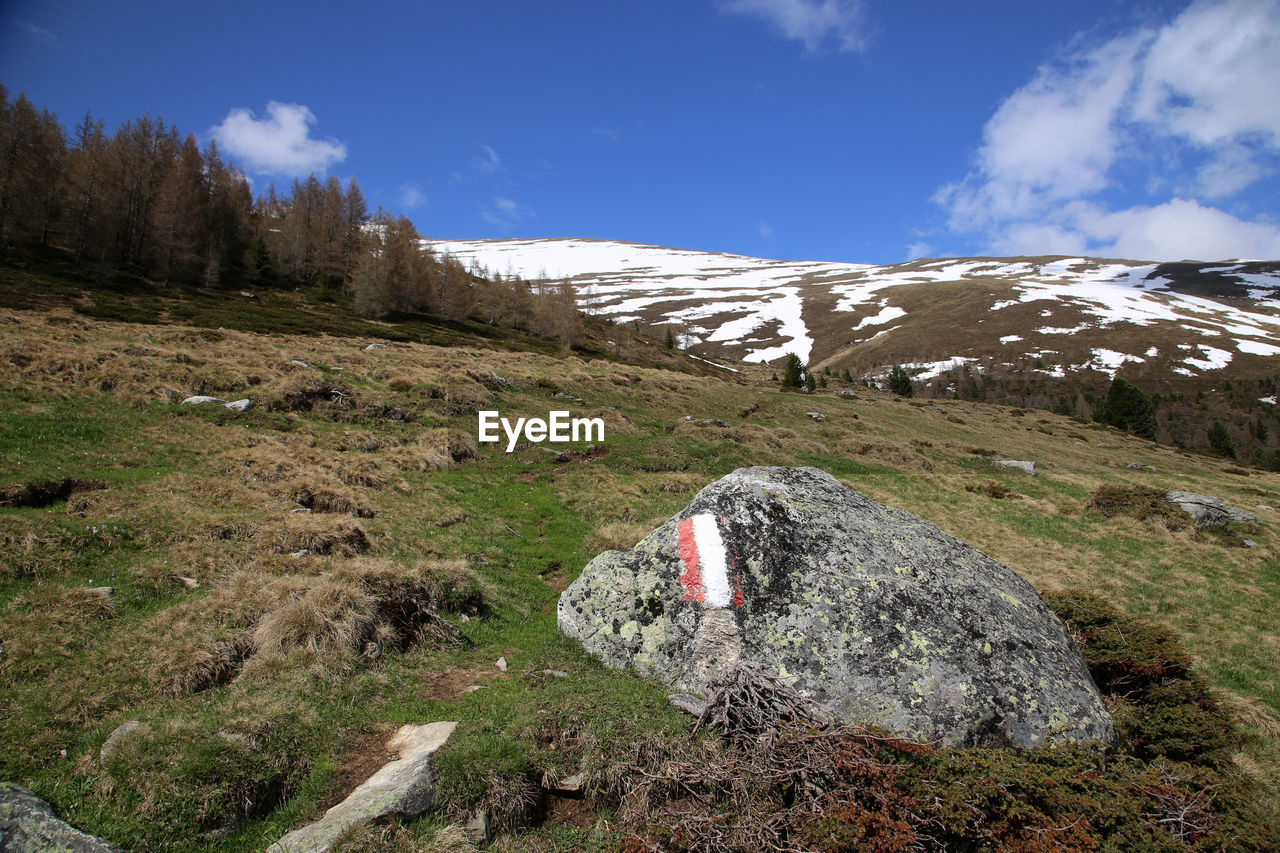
[(403, 787), (1206, 510), (876, 616), (1016, 465), (29, 825)]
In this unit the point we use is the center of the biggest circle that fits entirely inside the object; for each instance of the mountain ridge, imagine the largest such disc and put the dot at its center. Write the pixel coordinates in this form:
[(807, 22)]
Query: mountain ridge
[(1028, 330)]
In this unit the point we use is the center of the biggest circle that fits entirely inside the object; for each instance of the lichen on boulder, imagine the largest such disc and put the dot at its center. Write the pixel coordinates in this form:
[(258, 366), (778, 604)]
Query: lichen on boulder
[(876, 616)]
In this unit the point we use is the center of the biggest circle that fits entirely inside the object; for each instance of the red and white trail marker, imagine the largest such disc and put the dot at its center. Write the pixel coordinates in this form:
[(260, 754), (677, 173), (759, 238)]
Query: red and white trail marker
[(706, 573)]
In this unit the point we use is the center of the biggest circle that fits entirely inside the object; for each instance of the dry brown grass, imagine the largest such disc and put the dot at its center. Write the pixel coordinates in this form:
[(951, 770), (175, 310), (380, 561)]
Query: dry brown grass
[(365, 606), (436, 450), (320, 536), (618, 536)]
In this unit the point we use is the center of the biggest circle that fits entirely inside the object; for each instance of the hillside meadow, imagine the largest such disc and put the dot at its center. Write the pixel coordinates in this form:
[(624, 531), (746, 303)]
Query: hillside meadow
[(289, 584)]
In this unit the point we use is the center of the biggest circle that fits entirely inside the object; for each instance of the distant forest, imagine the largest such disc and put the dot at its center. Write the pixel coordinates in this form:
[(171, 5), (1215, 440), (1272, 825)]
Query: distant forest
[(149, 200)]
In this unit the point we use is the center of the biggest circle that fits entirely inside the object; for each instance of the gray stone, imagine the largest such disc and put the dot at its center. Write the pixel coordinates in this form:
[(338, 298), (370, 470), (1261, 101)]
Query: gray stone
[(689, 704), (118, 734), (299, 362), (372, 347), (402, 788), (239, 405), (501, 664), (200, 399), (712, 422), (876, 616), (817, 416), (478, 830), (1207, 511), (29, 825), (188, 583), (572, 785), (104, 591), (1016, 465), (849, 395)]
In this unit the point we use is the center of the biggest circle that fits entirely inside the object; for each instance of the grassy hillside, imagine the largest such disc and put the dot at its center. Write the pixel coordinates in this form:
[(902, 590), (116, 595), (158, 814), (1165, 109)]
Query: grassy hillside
[(268, 652)]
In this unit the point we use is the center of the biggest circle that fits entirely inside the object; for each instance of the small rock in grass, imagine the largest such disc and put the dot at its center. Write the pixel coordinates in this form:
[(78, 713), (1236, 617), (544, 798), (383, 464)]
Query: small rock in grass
[(1016, 465), (118, 734)]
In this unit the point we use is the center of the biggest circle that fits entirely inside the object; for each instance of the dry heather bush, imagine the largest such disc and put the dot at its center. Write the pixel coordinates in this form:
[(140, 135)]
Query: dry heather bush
[(370, 605), (320, 536)]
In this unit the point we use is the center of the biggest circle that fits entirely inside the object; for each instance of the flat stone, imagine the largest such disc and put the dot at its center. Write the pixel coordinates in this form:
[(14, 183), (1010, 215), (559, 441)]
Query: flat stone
[(239, 405), (200, 399), (29, 825), (1016, 465), (875, 616), (402, 788), (1207, 511), (118, 734), (372, 347)]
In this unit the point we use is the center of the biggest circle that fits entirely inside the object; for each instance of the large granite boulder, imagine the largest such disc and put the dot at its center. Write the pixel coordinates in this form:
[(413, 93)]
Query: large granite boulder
[(875, 615), (29, 825)]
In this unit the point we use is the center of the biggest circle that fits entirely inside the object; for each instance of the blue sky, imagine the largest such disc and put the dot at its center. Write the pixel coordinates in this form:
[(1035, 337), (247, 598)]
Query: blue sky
[(844, 130)]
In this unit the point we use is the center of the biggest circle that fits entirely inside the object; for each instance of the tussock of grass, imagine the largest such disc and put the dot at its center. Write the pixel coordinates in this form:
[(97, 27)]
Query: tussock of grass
[(367, 606), (320, 536)]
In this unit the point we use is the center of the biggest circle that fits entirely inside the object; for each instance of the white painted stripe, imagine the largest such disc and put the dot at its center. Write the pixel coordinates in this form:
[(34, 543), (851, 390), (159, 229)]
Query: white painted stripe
[(715, 571)]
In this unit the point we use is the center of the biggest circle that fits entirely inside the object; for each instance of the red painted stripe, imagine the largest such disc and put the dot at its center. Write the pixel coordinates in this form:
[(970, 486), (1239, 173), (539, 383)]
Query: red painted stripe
[(691, 580)]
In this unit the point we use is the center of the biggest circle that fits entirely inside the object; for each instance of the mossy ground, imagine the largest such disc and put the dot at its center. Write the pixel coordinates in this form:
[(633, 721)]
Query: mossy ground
[(245, 738)]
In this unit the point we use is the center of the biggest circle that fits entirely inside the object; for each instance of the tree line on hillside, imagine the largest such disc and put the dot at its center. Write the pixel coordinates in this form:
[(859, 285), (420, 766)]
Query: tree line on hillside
[(148, 200)]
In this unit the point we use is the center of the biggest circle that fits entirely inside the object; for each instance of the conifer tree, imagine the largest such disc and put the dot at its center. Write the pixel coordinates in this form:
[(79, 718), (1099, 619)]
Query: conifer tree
[(1220, 441), (900, 382), (793, 372), (1127, 408)]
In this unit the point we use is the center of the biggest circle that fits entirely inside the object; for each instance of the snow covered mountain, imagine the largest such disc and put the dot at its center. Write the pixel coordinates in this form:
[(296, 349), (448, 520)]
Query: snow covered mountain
[(1049, 315)]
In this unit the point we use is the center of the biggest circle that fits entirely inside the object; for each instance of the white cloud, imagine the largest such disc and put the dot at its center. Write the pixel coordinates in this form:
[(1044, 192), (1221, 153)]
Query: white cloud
[(765, 230), (412, 196), (279, 144), (1212, 74), (486, 161), (610, 134), (506, 213), (1189, 108), (809, 21), (38, 33), (919, 249)]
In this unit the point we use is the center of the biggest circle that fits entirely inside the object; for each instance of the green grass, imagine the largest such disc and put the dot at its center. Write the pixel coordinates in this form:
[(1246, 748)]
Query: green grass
[(193, 489)]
